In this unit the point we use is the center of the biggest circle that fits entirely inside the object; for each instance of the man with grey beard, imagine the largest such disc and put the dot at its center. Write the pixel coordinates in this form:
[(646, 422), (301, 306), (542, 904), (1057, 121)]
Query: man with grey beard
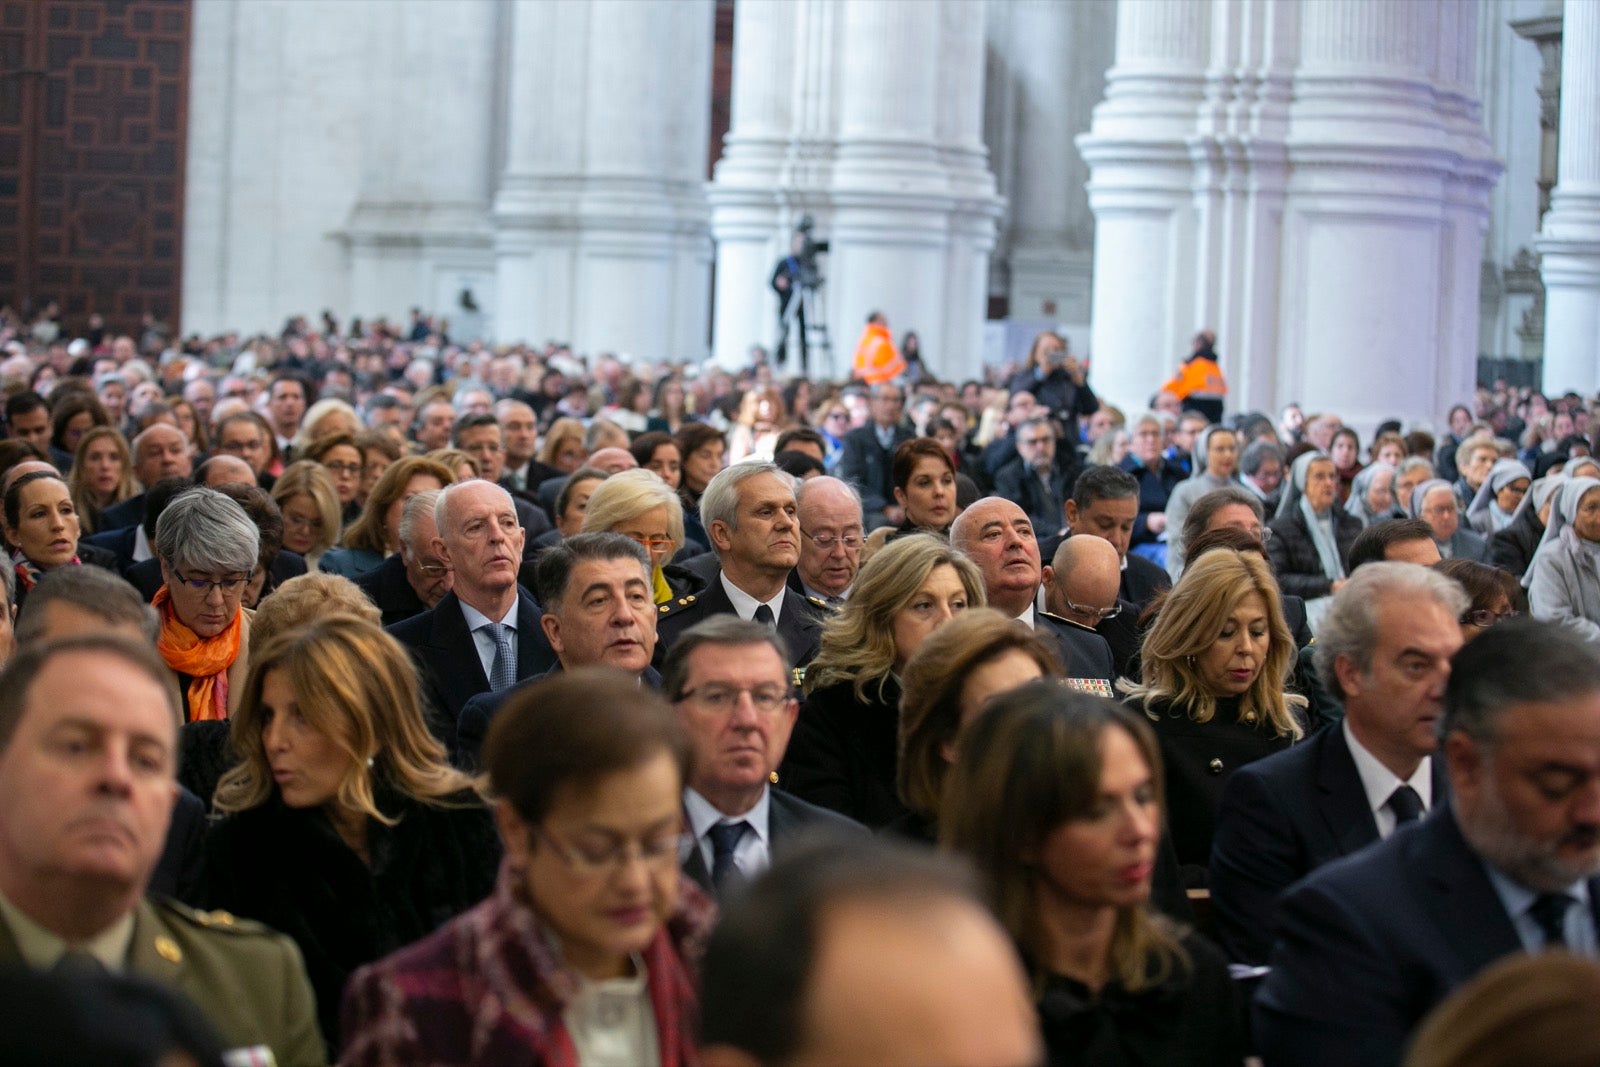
[(1368, 945)]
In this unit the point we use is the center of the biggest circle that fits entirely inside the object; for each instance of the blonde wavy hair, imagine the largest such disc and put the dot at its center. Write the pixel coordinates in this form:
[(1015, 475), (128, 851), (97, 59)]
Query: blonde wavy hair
[(858, 643), (357, 687), (1192, 616)]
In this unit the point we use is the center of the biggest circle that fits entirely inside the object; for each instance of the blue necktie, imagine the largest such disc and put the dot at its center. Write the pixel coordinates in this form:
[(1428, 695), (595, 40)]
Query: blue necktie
[(504, 670), (724, 839)]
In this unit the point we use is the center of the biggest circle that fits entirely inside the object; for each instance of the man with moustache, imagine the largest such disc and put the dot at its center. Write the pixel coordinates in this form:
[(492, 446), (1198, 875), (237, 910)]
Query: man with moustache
[(1368, 945)]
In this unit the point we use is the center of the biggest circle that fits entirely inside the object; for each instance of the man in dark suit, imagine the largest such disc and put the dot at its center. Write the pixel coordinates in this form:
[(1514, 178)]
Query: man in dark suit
[(480, 437), (1105, 504), (730, 682), (1033, 479), (1369, 944), (752, 519), (413, 579), (1441, 511), (1384, 647), (1081, 593), (599, 612), (485, 633), (866, 459)]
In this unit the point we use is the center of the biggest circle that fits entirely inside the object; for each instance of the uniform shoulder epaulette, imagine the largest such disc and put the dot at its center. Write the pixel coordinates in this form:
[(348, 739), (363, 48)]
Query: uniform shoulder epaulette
[(220, 921), (677, 604), (817, 602)]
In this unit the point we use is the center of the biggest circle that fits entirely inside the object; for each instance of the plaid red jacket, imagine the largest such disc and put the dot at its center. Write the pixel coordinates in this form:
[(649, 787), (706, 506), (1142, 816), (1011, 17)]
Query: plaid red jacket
[(488, 988)]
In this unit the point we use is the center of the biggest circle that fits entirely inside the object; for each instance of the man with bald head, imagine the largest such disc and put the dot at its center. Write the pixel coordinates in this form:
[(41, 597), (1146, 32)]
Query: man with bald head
[(485, 633), (997, 535), (830, 539), (222, 469), (1082, 593), (160, 452)]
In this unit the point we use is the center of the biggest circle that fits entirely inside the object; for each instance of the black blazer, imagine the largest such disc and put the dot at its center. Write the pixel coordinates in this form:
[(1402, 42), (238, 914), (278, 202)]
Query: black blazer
[(787, 819), (179, 871), (1369, 944), (844, 752), (1294, 555), (865, 464), (120, 543), (1281, 818), (447, 657), (287, 868), (1512, 549), (387, 587), (128, 513), (473, 726), (1142, 580), (799, 623), (1084, 653), (1020, 484)]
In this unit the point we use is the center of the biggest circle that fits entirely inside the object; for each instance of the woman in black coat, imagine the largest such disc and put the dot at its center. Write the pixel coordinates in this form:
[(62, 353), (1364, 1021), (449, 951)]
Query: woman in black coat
[(345, 827), (1055, 797), (844, 751), (1312, 563), (1056, 380), (1214, 671)]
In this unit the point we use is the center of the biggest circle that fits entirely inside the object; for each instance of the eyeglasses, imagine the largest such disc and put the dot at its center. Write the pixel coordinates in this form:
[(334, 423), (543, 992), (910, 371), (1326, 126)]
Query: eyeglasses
[(300, 522), (851, 541), (651, 543), (228, 586), (1484, 618), (1099, 613), (350, 469), (433, 569), (838, 414), (593, 861), (722, 699)]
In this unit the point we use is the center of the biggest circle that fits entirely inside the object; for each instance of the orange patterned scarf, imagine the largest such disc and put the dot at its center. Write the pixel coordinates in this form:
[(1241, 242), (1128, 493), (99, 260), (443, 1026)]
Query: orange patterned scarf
[(206, 660)]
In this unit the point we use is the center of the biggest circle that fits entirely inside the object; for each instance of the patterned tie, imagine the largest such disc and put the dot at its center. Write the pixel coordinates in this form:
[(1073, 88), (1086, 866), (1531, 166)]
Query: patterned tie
[(724, 839), (504, 671), (1550, 912), (764, 617), (1406, 805)]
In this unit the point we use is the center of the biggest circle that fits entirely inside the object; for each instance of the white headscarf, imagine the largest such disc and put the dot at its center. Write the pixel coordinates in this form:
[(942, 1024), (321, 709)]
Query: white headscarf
[(1360, 485), (1484, 513), (1561, 516)]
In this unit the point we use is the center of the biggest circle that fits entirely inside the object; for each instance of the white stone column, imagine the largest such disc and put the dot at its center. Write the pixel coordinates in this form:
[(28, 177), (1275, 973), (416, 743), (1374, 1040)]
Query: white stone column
[(419, 233), (1139, 189), (880, 140), (1054, 60), (1384, 212), (601, 234), (1569, 243)]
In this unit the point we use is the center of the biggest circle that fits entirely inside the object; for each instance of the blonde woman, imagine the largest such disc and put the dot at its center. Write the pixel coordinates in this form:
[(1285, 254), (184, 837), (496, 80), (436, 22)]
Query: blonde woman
[(1214, 668), (844, 751), (638, 504), (346, 828), (102, 475), (309, 505)]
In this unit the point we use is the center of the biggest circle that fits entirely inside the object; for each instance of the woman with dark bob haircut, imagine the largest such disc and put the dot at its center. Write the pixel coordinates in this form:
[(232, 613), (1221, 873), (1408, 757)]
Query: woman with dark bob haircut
[(1056, 798), (925, 486), (947, 685), (585, 946)]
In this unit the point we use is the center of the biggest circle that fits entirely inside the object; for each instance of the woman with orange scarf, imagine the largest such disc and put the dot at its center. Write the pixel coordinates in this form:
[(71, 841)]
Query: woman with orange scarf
[(208, 550)]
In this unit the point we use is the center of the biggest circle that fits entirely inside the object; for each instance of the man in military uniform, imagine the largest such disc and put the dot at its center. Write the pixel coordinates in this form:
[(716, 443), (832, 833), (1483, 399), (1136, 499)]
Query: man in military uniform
[(751, 516), (88, 742)]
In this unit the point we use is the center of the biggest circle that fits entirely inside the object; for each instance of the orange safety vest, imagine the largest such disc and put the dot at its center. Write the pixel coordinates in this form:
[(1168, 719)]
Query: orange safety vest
[(1198, 376), (877, 359)]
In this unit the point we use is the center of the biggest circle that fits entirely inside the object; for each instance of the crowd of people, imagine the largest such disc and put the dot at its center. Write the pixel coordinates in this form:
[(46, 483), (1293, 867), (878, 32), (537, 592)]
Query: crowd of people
[(373, 699)]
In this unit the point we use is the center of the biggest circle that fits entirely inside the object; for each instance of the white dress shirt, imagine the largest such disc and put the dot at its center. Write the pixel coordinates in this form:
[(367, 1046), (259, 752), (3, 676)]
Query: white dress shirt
[(753, 854), (746, 605), (1379, 782), (482, 639)]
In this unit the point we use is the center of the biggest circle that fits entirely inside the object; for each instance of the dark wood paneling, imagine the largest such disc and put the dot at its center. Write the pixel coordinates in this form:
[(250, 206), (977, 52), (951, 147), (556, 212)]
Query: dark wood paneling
[(93, 121)]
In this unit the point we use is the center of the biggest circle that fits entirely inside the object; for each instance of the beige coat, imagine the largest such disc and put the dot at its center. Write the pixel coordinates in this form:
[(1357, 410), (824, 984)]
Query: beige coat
[(237, 674)]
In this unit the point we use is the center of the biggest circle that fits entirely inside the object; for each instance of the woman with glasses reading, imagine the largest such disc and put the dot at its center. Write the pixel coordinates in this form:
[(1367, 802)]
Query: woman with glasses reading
[(346, 828), (208, 549), (580, 955)]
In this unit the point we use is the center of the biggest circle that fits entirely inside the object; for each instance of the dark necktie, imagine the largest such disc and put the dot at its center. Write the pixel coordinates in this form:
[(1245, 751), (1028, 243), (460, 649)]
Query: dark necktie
[(503, 671), (724, 839), (1550, 912), (764, 617), (75, 963), (1406, 805)]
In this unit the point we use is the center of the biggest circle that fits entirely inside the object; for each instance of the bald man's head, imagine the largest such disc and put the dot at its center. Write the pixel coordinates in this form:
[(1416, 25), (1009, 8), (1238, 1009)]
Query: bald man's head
[(1085, 578), (612, 460)]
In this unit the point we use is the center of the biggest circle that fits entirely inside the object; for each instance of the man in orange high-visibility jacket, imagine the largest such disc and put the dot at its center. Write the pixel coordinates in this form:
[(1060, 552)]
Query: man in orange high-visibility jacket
[(1199, 384), (877, 359)]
